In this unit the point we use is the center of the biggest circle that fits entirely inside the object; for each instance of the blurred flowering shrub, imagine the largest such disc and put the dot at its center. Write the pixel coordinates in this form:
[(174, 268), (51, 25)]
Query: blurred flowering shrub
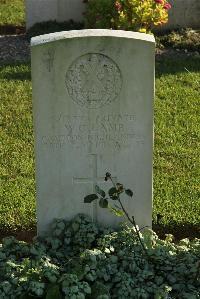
[(134, 15)]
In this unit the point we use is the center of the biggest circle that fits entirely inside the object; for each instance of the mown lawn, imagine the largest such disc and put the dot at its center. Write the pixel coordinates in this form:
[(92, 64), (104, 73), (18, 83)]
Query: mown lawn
[(177, 145), (17, 194), (176, 152), (12, 12)]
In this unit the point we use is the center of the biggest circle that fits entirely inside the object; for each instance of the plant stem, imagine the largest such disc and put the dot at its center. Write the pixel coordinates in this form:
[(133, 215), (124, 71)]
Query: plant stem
[(198, 271), (132, 221)]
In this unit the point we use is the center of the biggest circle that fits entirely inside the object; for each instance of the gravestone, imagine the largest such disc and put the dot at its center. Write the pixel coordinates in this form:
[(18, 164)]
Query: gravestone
[(49, 10), (93, 113)]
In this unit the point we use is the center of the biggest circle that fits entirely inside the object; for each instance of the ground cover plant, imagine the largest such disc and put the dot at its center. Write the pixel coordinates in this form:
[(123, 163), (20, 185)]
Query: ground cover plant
[(176, 151), (183, 39), (12, 12), (79, 259)]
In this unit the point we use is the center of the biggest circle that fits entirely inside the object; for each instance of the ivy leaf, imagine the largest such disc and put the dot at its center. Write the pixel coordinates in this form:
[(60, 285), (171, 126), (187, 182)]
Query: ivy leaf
[(100, 191), (89, 198), (113, 193), (103, 203), (53, 292), (99, 289), (129, 192)]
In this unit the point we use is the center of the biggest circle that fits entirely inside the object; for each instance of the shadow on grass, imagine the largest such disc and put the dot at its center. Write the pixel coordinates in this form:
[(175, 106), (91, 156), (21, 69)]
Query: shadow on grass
[(164, 65), (177, 64), (15, 71), (179, 231)]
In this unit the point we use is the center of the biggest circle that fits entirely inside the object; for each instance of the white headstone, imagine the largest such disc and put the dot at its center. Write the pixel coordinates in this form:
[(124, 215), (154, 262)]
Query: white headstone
[(49, 10), (93, 113), (40, 11)]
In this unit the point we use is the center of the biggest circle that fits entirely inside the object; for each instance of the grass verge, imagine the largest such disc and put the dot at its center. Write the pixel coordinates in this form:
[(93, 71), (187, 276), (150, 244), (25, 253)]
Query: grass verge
[(177, 143), (17, 194), (12, 12)]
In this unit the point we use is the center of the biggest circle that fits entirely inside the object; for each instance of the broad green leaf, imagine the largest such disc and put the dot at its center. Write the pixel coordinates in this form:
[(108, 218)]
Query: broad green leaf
[(100, 191), (129, 192), (89, 198), (113, 193), (53, 292), (103, 203), (115, 211)]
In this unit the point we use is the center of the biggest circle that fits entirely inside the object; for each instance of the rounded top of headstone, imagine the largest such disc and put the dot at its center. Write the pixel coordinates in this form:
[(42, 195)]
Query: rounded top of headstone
[(56, 36)]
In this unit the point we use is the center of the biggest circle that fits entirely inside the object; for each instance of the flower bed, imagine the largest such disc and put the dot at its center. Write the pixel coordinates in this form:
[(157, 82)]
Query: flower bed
[(82, 260)]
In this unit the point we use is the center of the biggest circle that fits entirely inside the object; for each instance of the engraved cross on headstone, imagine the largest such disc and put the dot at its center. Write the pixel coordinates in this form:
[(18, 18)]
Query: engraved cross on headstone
[(48, 58), (94, 180), (91, 80)]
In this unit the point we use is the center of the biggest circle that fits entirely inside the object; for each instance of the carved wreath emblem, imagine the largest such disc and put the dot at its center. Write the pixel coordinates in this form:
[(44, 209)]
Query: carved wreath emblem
[(93, 80)]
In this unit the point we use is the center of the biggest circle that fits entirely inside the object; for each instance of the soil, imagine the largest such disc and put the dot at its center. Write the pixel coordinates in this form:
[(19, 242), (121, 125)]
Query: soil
[(179, 232), (26, 236), (187, 231), (16, 48), (11, 29)]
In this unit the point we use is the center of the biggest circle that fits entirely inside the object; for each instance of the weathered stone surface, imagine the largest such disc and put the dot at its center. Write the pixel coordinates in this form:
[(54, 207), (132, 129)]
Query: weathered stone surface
[(183, 14), (93, 112)]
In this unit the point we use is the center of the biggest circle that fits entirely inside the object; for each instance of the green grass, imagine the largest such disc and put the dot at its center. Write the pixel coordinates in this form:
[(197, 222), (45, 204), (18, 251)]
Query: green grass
[(17, 193), (176, 153), (177, 143), (12, 12)]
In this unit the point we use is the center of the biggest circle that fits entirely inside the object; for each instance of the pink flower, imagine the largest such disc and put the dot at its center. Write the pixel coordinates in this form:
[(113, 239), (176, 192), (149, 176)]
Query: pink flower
[(159, 1), (167, 6), (118, 6)]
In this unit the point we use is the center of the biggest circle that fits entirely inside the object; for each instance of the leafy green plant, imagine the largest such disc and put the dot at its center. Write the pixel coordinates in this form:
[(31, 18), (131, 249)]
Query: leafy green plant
[(114, 194), (135, 15), (112, 265)]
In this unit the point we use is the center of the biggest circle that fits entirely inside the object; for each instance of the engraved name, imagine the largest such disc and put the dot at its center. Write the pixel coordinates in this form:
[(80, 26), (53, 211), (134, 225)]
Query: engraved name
[(103, 131)]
